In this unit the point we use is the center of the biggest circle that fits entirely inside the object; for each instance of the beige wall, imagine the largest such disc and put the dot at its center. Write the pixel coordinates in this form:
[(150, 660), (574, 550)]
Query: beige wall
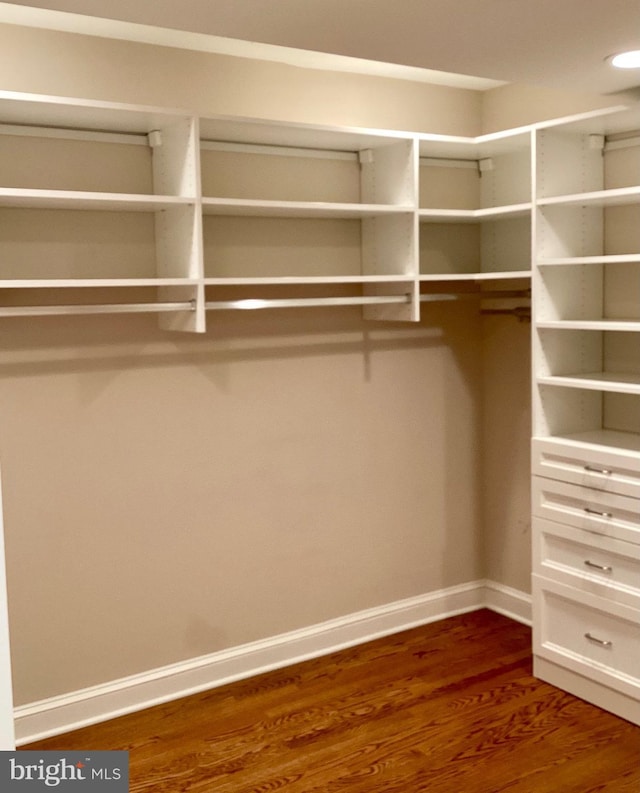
[(517, 105), (167, 497), (68, 64), (506, 467)]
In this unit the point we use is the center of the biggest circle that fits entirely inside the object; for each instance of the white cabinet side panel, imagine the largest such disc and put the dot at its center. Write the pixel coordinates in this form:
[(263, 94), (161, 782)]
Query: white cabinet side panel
[(7, 735)]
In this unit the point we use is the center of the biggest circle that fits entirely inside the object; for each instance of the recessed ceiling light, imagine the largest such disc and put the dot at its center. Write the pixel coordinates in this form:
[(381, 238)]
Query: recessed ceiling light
[(626, 60)]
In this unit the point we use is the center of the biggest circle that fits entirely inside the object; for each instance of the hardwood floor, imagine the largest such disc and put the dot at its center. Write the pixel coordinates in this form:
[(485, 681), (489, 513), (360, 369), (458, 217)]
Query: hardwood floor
[(448, 707)]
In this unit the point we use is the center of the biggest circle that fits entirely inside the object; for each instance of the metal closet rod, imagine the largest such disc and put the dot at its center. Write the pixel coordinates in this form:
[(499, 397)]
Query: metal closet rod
[(305, 302), (247, 304), (357, 300), (97, 308)]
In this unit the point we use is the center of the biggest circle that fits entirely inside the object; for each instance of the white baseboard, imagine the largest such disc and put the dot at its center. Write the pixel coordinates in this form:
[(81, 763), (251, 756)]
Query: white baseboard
[(511, 602), (61, 714)]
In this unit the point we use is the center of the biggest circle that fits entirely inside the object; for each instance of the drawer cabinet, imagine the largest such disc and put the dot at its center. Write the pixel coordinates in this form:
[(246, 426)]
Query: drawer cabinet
[(614, 472), (589, 635), (589, 562), (592, 510), (586, 582)]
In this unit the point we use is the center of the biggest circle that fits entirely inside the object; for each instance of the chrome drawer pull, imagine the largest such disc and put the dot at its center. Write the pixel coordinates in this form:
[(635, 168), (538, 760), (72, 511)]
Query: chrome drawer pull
[(601, 642), (593, 469), (602, 567), (596, 512)]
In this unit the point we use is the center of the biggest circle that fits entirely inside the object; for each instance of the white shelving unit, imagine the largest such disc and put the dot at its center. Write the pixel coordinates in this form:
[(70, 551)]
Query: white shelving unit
[(475, 208), (586, 448), (97, 196), (181, 215)]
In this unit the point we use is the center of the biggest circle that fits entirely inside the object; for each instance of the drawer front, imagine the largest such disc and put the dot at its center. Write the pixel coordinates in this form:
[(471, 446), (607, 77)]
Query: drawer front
[(591, 510), (613, 472), (590, 562), (588, 635)]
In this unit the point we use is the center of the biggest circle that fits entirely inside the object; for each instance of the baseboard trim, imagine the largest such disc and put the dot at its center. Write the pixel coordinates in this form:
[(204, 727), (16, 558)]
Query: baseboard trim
[(68, 712), (510, 602)]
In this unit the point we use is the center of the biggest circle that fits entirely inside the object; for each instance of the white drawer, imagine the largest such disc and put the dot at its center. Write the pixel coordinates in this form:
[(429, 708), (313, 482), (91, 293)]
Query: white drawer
[(590, 466), (592, 510), (590, 562), (587, 635)]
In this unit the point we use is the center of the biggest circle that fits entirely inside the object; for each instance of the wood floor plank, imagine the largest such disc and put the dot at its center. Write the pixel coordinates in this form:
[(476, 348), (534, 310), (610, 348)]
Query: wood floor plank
[(450, 707)]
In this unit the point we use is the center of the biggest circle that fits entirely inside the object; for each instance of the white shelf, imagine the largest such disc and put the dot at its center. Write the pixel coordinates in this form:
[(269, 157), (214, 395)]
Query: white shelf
[(75, 283), (474, 277), (622, 258), (598, 198), (297, 209), (482, 147), (611, 439), (67, 113), (260, 132), (309, 280), (474, 215), (631, 325), (597, 381), (71, 199)]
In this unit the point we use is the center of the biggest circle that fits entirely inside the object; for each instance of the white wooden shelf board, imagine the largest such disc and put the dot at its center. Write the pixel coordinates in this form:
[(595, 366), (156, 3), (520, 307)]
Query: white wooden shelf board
[(473, 215), (632, 325), (619, 258), (260, 132), (310, 280), (492, 276), (481, 147), (606, 121), (613, 439), (73, 283), (596, 381), (297, 209), (600, 198), (69, 113), (71, 199)]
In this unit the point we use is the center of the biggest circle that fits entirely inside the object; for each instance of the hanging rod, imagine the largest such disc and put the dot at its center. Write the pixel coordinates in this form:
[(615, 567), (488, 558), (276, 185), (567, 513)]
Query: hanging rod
[(305, 302), (97, 308)]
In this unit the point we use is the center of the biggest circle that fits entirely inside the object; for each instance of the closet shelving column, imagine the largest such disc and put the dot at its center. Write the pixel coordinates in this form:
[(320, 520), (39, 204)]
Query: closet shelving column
[(114, 189), (586, 405), (299, 215), (475, 209)]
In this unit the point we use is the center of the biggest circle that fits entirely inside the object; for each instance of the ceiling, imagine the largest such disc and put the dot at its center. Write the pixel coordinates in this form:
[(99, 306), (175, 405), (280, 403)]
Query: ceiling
[(559, 44)]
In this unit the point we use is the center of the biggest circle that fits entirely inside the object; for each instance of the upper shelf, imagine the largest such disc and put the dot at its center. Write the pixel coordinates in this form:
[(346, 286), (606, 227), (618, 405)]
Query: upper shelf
[(78, 114), (474, 215), (598, 198), (298, 209), (613, 258), (72, 199)]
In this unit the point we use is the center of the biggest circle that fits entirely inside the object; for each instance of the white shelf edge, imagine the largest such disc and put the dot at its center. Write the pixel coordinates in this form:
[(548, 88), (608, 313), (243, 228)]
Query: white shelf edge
[(73, 283), (309, 280), (617, 258), (293, 209), (600, 324), (474, 215), (19, 198), (615, 196), (492, 276), (612, 439), (595, 381)]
